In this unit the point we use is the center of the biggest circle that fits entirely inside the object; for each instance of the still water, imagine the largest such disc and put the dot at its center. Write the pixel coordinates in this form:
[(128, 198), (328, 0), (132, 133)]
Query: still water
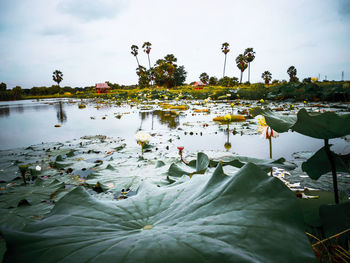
[(24, 123)]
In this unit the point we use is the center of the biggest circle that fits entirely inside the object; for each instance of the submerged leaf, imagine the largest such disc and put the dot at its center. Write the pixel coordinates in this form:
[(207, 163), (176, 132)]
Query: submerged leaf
[(249, 217)]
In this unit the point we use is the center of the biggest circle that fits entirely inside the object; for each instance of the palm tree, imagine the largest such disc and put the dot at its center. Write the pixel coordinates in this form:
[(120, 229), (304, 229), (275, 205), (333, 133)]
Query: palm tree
[(267, 76), (292, 72), (225, 49), (170, 58), (241, 64), (57, 76), (250, 55), (147, 49), (134, 51)]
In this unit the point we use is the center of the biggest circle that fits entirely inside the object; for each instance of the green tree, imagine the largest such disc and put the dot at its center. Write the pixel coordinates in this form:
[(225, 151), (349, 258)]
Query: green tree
[(135, 52), (250, 56), (241, 63), (147, 49), (3, 86), (267, 76), (292, 72), (180, 76), (225, 49), (17, 92), (57, 76), (164, 71), (213, 81), (204, 77), (143, 74)]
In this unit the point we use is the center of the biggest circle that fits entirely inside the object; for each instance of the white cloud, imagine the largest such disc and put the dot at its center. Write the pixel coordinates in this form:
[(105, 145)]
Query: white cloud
[(89, 41), (92, 9)]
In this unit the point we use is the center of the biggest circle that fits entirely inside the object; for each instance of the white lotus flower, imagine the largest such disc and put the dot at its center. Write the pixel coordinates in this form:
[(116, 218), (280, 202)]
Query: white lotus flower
[(38, 168), (142, 137)]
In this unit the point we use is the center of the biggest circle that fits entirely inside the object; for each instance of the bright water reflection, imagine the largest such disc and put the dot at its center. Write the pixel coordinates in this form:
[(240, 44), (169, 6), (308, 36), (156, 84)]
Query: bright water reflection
[(24, 123)]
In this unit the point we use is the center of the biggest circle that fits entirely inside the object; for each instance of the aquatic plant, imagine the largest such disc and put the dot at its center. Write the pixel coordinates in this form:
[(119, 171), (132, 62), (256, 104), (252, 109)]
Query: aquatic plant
[(325, 126)]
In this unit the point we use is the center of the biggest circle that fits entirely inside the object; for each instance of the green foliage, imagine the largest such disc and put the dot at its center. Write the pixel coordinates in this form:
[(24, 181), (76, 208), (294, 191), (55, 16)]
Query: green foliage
[(3, 86), (57, 76), (180, 76), (254, 92), (292, 72), (204, 77), (215, 218), (266, 76), (144, 76), (228, 82), (213, 81)]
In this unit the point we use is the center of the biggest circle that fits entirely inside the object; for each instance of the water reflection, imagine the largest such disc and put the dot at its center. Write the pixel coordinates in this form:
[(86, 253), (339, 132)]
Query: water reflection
[(4, 111), (227, 144), (19, 108), (61, 114), (169, 118)]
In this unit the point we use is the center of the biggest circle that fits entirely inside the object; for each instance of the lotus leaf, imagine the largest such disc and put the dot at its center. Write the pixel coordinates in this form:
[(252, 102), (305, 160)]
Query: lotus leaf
[(200, 166), (318, 164), (248, 217), (34, 194), (335, 218), (326, 125)]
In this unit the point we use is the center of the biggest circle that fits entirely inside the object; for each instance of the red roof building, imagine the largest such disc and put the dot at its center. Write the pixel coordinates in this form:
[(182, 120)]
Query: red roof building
[(199, 85), (102, 88)]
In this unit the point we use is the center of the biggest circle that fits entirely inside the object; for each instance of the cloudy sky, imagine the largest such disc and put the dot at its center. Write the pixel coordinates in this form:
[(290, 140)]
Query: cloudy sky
[(90, 40)]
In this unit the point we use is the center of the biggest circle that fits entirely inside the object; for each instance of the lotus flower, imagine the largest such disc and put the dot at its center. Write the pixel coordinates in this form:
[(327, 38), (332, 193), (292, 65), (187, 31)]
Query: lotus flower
[(142, 138), (266, 131), (227, 117), (38, 168)]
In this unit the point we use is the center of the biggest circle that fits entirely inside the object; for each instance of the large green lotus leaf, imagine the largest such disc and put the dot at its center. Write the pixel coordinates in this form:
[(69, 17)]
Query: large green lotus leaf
[(198, 166), (18, 217), (239, 161), (311, 207), (318, 164), (248, 217), (38, 192), (335, 218), (278, 122), (326, 125)]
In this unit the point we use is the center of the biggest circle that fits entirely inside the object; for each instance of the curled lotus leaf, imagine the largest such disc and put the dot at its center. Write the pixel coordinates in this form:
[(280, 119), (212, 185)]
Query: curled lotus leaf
[(318, 164), (326, 125), (248, 217)]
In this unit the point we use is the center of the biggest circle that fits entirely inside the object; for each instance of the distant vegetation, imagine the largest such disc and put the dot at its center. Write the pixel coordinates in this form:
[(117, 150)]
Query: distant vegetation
[(166, 80), (216, 89)]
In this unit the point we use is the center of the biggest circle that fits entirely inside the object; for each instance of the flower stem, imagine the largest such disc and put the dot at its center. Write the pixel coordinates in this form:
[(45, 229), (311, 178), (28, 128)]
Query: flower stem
[(334, 172), (23, 173), (270, 143)]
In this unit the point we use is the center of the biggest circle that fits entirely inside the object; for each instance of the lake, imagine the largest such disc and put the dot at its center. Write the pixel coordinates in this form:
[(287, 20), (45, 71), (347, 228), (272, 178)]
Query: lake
[(27, 122)]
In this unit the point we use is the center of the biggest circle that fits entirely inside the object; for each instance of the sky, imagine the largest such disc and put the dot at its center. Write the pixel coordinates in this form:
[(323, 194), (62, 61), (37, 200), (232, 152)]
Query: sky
[(90, 40)]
